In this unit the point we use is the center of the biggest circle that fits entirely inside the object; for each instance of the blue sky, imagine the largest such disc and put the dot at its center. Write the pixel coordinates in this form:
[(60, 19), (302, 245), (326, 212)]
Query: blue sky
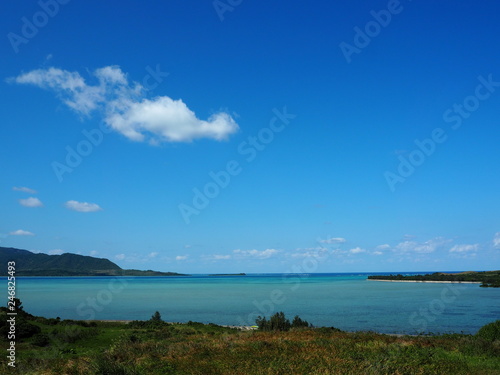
[(202, 136)]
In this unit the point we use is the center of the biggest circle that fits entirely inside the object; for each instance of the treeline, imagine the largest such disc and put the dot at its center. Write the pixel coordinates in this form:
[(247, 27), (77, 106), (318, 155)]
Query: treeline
[(486, 278), (278, 322)]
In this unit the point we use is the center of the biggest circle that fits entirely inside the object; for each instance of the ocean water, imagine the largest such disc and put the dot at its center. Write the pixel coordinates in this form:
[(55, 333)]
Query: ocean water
[(346, 301)]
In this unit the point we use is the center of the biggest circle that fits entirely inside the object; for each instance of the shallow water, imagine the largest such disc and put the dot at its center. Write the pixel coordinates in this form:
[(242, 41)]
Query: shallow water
[(346, 301)]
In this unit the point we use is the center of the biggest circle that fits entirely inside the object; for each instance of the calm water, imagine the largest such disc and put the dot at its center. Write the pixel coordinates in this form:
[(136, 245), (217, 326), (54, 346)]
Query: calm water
[(346, 301)]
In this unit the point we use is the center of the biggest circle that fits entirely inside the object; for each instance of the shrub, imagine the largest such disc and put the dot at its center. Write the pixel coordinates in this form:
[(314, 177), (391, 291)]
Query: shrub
[(40, 339), (24, 329), (106, 364), (490, 332), (147, 324)]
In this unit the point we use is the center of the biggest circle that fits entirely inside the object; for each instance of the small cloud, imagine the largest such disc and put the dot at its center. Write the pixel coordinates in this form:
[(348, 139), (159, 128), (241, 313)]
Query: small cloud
[(464, 248), (55, 252), (333, 240), (82, 206), (93, 253), (311, 252), (383, 247), (120, 256), (408, 237), (357, 250), (264, 254), (496, 240), (181, 257), (30, 202), (154, 254), (377, 253), (24, 189), (21, 232), (421, 247), (187, 246)]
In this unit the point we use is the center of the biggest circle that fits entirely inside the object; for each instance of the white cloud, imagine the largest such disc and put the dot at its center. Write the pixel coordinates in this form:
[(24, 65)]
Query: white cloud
[(181, 257), (383, 247), (93, 253), (357, 250), (24, 189), (264, 254), (314, 252), (168, 120), (377, 253), (30, 202), (464, 248), (82, 206), (21, 232), (55, 252), (154, 254), (421, 247), (120, 256), (69, 86), (333, 240), (125, 108), (496, 240)]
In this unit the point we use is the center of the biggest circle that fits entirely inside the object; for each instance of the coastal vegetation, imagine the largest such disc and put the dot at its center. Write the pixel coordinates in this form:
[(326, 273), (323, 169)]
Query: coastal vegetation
[(31, 264), (157, 347), (278, 322), (485, 278)]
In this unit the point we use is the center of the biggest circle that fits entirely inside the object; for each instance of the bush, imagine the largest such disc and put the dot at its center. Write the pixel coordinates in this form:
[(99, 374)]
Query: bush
[(24, 329), (106, 364), (72, 333), (490, 332), (40, 339), (147, 324)]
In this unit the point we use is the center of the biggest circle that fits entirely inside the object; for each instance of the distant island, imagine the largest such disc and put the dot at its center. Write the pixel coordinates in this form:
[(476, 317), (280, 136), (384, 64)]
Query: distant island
[(228, 274), (32, 264), (487, 279)]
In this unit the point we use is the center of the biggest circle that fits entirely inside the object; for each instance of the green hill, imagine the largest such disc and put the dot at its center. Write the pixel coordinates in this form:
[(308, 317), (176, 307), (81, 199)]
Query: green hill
[(31, 264)]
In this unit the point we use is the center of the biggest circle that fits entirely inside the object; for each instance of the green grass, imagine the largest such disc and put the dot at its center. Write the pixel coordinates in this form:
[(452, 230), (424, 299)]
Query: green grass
[(195, 348)]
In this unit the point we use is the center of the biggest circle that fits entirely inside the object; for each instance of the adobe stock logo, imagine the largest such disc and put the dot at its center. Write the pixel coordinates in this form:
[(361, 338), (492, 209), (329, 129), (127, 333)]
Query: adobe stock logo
[(221, 179), (94, 137), (222, 7), (30, 27), (456, 115), (372, 29)]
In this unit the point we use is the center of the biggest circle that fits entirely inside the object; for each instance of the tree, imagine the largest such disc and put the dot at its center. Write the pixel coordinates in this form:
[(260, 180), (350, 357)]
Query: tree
[(18, 304), (299, 323), (277, 322), (156, 317)]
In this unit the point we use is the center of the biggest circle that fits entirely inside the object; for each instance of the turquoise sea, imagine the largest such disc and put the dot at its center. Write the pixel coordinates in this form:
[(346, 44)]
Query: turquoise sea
[(346, 301)]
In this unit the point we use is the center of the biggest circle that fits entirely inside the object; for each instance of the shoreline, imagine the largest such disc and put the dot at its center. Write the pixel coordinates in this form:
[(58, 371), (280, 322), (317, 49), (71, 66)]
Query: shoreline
[(428, 281)]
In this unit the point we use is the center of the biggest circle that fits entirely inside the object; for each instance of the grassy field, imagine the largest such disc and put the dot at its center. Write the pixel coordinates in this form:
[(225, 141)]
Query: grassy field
[(71, 347)]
